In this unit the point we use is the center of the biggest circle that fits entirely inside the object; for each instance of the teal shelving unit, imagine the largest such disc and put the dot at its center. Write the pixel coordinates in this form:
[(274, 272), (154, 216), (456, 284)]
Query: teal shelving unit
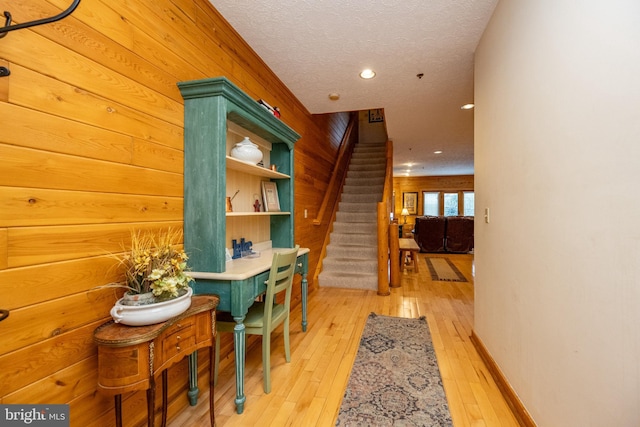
[(209, 104)]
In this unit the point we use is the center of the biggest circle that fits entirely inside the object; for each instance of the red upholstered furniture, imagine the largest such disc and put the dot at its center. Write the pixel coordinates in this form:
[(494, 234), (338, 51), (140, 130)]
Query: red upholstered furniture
[(429, 233), (459, 234), (444, 234)]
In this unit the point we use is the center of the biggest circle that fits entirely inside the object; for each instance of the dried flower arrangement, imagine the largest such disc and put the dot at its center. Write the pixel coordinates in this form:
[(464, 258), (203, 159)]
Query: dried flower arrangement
[(153, 264)]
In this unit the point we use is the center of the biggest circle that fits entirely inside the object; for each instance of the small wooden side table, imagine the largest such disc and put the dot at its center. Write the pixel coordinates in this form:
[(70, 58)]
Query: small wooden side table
[(131, 357), (409, 245)]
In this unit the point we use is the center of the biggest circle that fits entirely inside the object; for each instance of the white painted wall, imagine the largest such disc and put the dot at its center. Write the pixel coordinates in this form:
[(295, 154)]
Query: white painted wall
[(557, 161), (370, 132)]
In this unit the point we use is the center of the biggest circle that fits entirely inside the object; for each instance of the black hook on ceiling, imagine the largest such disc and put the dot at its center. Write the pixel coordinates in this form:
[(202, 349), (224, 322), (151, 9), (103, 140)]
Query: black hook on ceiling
[(8, 27)]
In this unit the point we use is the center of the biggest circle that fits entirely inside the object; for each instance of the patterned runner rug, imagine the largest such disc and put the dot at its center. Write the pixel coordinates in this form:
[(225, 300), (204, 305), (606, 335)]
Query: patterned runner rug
[(443, 269), (395, 380)]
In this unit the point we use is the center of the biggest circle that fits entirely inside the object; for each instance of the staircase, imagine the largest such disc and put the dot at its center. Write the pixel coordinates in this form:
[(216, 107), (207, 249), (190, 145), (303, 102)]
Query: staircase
[(351, 259)]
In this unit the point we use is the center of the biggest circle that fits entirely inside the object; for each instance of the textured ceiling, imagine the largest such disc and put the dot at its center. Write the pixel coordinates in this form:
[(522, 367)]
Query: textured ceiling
[(317, 47)]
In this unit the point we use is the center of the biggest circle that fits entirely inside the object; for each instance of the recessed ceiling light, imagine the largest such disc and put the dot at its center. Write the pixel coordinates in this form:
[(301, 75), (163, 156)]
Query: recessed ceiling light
[(334, 96), (467, 107), (437, 152), (367, 74)]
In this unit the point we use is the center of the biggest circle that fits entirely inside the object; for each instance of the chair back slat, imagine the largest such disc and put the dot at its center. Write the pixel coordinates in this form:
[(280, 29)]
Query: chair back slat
[(280, 279)]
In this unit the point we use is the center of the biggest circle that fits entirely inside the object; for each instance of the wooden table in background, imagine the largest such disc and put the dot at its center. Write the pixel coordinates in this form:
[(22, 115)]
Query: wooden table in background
[(409, 245), (131, 357)]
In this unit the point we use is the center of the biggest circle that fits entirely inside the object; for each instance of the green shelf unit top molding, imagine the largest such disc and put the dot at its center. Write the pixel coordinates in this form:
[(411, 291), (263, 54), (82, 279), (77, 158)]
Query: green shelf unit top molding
[(241, 109), (208, 105)]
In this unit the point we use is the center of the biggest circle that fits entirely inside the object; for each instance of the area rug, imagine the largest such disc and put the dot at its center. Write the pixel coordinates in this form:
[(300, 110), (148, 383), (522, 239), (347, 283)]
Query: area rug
[(443, 269), (395, 380)]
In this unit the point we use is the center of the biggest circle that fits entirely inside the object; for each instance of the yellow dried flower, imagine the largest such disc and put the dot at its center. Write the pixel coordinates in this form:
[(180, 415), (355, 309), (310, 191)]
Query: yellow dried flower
[(153, 264)]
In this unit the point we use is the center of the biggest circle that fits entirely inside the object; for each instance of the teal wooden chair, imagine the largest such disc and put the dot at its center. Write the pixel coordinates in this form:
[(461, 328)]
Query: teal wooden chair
[(263, 317)]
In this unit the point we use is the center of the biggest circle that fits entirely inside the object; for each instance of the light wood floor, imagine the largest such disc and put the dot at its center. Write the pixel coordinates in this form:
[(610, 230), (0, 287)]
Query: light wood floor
[(308, 391)]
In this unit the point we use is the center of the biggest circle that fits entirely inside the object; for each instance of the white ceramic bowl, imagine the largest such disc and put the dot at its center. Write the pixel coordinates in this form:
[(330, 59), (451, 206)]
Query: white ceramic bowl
[(142, 315)]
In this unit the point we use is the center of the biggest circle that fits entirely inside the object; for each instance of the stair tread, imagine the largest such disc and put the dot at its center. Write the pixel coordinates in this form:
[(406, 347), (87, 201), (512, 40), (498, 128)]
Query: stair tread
[(349, 274), (351, 256)]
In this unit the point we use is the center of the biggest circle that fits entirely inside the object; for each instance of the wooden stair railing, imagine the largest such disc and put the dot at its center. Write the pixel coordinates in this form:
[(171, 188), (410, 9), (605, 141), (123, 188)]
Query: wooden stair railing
[(339, 170), (347, 144), (384, 220)]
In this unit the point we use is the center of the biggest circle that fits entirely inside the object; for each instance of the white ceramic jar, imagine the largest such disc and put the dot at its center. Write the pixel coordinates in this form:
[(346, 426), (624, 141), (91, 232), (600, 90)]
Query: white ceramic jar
[(246, 151)]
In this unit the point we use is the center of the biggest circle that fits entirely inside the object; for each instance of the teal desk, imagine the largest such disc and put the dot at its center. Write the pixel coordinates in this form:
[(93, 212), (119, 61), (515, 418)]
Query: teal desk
[(238, 287)]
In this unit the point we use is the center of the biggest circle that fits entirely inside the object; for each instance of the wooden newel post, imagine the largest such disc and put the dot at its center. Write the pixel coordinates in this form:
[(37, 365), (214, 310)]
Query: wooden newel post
[(394, 254), (383, 250)]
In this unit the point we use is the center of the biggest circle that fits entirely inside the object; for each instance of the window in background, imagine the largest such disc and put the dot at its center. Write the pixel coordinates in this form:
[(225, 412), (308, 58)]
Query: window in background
[(469, 203), (450, 204), (431, 203)]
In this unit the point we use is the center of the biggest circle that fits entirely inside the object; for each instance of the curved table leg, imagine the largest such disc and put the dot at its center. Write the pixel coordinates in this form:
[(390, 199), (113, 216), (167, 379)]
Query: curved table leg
[(165, 398), (118, 405), (212, 368), (192, 394), (151, 399)]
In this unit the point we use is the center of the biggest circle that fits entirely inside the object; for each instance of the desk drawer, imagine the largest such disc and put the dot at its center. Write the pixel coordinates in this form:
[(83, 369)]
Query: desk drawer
[(261, 280)]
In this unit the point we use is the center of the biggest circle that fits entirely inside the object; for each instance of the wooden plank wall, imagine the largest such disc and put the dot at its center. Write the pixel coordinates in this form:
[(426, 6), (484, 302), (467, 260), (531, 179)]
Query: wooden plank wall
[(91, 148)]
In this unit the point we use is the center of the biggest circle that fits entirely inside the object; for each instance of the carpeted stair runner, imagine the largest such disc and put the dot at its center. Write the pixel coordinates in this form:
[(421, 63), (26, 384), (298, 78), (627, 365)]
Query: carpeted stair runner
[(351, 259)]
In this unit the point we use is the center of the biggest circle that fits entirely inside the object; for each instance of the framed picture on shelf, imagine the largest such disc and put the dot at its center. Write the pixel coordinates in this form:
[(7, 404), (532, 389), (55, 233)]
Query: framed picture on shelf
[(410, 202), (270, 196)]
